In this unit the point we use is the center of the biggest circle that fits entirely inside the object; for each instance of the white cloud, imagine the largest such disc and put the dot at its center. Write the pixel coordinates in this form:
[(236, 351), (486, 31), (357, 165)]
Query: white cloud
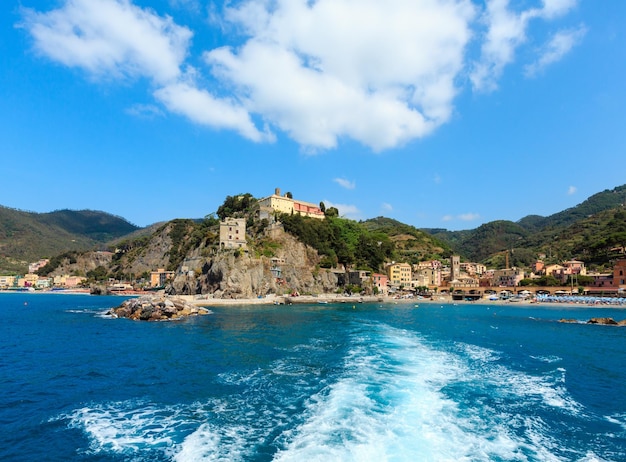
[(571, 190), (558, 46), (461, 217), (345, 210), (110, 38), (145, 111), (469, 217), (506, 31), (201, 107), (345, 183), (386, 207), (379, 73)]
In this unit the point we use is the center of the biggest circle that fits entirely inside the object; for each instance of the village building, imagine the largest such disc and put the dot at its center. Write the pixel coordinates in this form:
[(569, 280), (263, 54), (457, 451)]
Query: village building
[(380, 282), (7, 282), (358, 277), (399, 274), (427, 276), (619, 274), (538, 267), (473, 269), (455, 267), (508, 277), (68, 281), (160, 277), (601, 279)]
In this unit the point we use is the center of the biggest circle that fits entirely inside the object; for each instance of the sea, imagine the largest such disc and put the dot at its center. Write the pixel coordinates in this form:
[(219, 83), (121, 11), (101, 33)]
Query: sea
[(322, 382)]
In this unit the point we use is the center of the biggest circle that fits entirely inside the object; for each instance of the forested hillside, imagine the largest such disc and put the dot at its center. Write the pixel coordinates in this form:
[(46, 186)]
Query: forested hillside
[(29, 236)]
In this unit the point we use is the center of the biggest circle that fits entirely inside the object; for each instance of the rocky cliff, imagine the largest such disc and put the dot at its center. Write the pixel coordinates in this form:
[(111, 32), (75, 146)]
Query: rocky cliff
[(271, 264), (292, 266)]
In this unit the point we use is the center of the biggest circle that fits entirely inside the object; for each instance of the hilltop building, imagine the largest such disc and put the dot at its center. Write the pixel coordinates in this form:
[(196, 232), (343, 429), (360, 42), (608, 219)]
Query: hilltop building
[(233, 233), (34, 267), (283, 204)]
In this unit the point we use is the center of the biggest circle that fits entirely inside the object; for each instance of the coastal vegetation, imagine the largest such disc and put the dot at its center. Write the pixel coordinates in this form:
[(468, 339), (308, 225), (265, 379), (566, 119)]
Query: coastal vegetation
[(593, 232)]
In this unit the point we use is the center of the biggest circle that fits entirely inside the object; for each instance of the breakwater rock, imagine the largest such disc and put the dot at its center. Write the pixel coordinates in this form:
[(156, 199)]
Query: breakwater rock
[(157, 308), (607, 322), (601, 321)]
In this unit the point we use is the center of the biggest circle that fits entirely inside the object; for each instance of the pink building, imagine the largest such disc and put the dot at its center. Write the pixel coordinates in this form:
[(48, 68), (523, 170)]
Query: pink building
[(380, 281)]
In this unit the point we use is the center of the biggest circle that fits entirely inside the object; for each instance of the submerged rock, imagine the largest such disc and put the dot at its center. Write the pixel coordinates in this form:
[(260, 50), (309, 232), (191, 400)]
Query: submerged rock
[(157, 308)]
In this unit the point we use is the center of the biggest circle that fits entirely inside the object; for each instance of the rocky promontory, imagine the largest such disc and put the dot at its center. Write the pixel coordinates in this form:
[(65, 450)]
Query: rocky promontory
[(157, 308)]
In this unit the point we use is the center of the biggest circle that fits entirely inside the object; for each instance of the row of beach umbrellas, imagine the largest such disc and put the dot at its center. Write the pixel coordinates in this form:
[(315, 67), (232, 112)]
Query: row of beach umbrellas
[(583, 299)]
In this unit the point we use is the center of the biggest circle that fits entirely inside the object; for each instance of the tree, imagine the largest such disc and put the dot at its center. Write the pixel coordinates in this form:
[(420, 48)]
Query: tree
[(289, 195), (331, 212), (236, 205), (323, 206), (98, 274)]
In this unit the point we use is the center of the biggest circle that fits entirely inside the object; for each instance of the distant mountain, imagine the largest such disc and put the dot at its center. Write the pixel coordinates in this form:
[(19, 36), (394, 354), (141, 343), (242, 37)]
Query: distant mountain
[(29, 236), (587, 231), (600, 202)]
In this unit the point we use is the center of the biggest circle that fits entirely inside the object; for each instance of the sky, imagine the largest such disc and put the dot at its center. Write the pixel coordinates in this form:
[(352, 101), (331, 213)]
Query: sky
[(438, 113)]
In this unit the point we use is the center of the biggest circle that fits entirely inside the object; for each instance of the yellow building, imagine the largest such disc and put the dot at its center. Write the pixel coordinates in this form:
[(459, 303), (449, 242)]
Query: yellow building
[(159, 277), (29, 280), (7, 281), (283, 204), (399, 274)]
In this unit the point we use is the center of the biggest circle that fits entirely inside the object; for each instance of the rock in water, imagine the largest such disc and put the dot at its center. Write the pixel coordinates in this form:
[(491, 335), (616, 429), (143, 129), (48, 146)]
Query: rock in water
[(603, 321), (156, 308)]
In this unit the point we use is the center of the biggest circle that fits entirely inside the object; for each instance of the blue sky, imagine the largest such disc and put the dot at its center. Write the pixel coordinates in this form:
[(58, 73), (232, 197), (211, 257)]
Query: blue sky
[(438, 113)]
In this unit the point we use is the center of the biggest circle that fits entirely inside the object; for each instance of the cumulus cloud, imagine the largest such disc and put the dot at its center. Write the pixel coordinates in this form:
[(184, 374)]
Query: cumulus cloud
[(571, 190), (345, 210), (559, 45), (203, 108), (386, 207), (111, 38), (379, 73), (506, 31), (345, 183)]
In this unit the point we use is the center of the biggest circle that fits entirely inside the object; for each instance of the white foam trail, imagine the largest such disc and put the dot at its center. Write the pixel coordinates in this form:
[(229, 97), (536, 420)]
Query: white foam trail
[(391, 404), (210, 443), (129, 427)]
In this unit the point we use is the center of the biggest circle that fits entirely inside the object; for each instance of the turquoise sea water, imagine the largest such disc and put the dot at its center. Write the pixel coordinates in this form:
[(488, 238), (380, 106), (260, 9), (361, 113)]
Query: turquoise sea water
[(363, 382)]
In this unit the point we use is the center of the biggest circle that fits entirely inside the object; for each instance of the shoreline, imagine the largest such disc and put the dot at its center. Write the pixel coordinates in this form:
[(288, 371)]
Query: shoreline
[(324, 299)]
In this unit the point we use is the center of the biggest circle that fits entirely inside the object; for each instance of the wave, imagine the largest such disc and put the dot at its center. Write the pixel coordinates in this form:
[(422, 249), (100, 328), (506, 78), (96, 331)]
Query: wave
[(401, 398), (395, 396)]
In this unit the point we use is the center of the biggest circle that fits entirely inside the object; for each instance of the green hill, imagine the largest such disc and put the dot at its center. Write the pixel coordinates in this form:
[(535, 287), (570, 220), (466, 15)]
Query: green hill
[(29, 236), (590, 231)]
